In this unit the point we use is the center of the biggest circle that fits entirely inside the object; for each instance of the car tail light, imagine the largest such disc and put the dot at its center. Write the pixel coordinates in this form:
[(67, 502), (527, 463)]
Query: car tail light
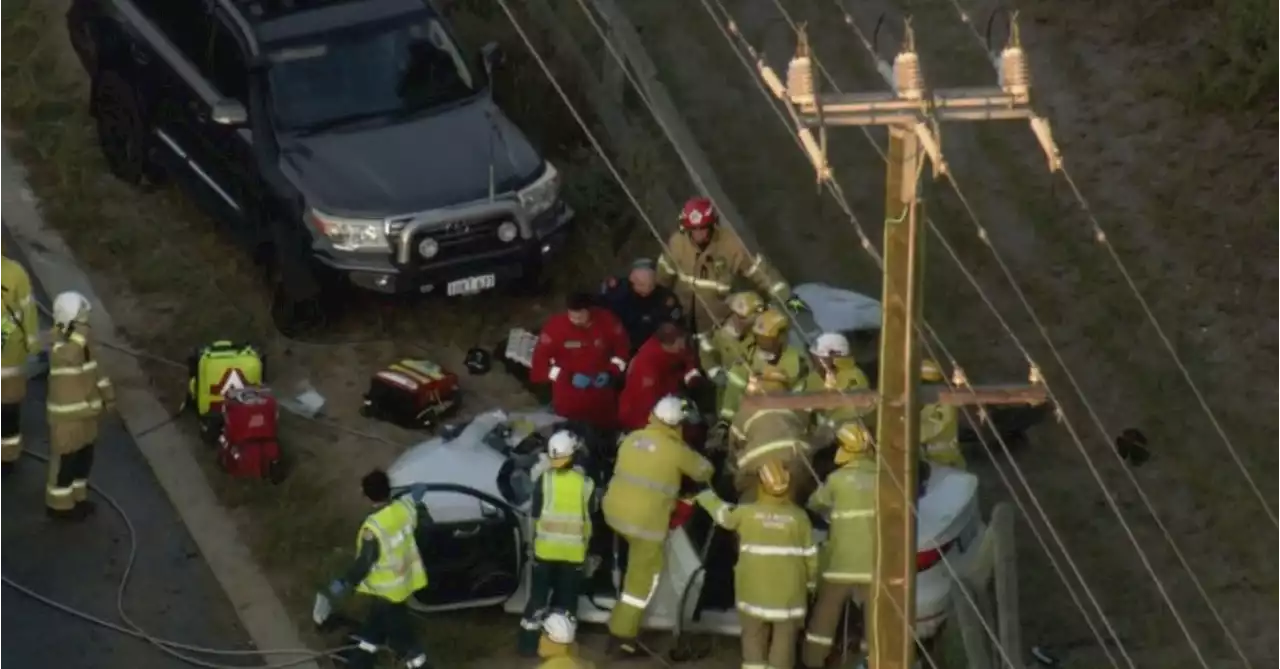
[(681, 514), (927, 559)]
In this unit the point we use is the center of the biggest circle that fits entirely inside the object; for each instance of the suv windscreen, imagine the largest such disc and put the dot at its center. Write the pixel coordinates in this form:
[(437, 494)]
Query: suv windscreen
[(393, 68)]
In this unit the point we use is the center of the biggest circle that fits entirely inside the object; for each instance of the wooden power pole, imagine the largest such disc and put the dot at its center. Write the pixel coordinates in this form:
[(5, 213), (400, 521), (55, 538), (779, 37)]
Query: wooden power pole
[(911, 114)]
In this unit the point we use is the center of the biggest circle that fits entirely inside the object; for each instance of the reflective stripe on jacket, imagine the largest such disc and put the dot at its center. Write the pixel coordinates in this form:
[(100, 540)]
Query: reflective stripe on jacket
[(646, 481), (849, 377), (850, 495), (563, 527), (21, 330), (777, 559), (790, 364), (79, 391), (702, 277), (767, 434), (399, 571)]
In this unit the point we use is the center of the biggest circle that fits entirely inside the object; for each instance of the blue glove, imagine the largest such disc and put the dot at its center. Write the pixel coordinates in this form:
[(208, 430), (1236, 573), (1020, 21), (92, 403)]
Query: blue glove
[(581, 381), (603, 379), (337, 589), (796, 304)]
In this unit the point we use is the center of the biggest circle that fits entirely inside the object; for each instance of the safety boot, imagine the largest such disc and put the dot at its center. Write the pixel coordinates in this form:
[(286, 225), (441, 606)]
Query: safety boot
[(623, 649)]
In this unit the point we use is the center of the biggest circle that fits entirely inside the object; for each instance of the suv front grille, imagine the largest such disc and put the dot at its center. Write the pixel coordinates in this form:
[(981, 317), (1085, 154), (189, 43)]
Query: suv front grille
[(460, 239)]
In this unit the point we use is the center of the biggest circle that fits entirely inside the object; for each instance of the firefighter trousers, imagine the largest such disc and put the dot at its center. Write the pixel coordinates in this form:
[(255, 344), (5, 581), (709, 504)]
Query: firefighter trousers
[(388, 624), (11, 431), (768, 644), (828, 607), (644, 567), (552, 585), (68, 483)]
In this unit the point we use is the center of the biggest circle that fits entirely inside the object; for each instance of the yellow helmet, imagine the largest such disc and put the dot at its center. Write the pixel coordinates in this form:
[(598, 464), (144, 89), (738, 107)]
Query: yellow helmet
[(930, 370), (770, 323), (775, 479), (745, 304), (854, 440)]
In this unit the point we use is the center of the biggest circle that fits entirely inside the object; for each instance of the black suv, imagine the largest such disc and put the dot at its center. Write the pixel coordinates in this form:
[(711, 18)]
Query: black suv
[(338, 138)]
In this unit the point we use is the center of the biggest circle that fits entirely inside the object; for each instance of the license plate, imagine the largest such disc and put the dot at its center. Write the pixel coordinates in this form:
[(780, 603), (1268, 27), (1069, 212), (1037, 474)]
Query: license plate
[(472, 285)]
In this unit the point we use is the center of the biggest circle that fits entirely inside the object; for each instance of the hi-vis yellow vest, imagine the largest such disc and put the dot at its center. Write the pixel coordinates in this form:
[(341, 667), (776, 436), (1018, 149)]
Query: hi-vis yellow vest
[(564, 522), (399, 571)]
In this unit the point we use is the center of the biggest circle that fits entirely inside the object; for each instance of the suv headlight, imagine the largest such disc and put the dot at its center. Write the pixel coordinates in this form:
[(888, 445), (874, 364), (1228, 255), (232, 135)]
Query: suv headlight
[(350, 234), (538, 196)]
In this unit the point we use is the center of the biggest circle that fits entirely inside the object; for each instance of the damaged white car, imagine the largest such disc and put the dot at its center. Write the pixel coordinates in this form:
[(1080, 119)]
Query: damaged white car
[(480, 482)]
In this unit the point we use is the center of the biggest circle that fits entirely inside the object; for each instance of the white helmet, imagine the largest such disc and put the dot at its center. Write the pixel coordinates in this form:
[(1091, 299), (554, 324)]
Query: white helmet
[(70, 307), (669, 410), (830, 345), (559, 628), (561, 446)]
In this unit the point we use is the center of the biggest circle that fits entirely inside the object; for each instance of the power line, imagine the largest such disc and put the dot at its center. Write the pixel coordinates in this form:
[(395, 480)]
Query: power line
[(1100, 235), (867, 245), (1040, 509), (1044, 333), (555, 83)]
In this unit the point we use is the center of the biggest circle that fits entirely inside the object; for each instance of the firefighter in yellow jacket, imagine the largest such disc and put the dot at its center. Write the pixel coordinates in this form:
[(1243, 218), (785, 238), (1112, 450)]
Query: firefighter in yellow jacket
[(556, 647), (21, 339), (770, 353), (702, 260), (79, 393), (721, 348), (849, 497), (388, 570), (770, 435), (642, 493), (777, 567), (939, 425), (834, 370)]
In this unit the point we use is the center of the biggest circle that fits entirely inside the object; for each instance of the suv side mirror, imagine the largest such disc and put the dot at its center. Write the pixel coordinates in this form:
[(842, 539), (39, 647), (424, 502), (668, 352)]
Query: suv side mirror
[(228, 112), (492, 56)]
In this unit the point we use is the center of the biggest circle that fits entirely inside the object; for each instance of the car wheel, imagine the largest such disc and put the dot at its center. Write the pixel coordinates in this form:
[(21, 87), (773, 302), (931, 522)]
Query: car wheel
[(121, 132)]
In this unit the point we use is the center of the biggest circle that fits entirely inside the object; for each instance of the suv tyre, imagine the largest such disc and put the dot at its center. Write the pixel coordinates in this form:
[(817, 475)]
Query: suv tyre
[(122, 135)]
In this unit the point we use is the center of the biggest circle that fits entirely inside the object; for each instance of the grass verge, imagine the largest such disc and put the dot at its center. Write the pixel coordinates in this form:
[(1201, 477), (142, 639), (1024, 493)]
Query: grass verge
[(174, 281)]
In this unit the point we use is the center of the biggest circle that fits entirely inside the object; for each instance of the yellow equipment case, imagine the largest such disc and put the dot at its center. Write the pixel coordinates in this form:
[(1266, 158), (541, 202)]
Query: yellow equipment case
[(219, 367)]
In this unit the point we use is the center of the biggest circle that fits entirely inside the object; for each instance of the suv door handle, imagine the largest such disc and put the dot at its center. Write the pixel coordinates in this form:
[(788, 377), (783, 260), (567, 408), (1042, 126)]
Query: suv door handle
[(463, 534), (139, 54)]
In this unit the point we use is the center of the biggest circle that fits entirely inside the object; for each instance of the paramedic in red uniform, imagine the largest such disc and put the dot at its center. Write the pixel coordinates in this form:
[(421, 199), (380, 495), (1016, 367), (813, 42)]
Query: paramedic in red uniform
[(582, 353), (660, 368)]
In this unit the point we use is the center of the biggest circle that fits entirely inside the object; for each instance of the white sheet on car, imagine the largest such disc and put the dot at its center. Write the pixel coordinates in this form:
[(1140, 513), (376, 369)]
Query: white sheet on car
[(946, 502), (839, 310)]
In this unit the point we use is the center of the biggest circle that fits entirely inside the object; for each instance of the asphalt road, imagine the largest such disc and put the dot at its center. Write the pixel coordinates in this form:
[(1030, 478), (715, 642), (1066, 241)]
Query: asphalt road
[(172, 593)]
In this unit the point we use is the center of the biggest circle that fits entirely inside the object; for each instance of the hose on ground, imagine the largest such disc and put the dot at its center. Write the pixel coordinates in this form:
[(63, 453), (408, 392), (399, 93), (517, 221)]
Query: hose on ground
[(167, 646)]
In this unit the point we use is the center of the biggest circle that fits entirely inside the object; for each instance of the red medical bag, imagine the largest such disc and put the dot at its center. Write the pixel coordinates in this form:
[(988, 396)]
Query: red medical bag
[(248, 446), (414, 394)]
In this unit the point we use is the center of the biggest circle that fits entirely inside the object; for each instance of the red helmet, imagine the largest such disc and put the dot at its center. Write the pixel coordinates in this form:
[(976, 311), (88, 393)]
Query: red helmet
[(698, 214)]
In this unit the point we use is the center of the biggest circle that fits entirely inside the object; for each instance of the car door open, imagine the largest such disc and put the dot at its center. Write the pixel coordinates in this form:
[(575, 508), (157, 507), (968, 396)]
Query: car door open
[(473, 551)]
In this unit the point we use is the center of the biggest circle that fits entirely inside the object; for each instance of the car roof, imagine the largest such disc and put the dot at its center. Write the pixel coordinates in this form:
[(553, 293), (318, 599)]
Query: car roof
[(281, 20)]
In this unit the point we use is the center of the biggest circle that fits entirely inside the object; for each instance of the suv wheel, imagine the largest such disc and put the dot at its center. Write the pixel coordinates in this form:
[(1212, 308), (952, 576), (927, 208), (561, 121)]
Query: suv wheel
[(121, 133)]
